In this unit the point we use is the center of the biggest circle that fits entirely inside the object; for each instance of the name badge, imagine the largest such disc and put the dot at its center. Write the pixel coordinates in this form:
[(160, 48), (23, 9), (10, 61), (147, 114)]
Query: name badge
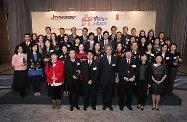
[(78, 63), (152, 54), (61, 56), (134, 66), (95, 68), (167, 58), (54, 65), (175, 57), (101, 55), (155, 65), (113, 65), (68, 45), (158, 49)]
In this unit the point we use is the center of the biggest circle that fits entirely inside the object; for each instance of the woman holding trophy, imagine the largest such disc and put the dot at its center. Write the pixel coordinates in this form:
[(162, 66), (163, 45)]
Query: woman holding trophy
[(35, 72), (20, 79)]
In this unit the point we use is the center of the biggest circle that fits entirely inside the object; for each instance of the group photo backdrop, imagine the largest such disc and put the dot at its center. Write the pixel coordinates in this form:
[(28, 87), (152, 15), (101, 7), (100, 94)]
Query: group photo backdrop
[(141, 20)]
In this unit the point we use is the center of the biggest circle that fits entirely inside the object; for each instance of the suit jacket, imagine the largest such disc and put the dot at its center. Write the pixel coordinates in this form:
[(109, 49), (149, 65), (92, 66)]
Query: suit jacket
[(102, 43), (108, 71), (110, 37), (128, 71), (39, 60), (125, 37), (26, 48), (82, 39), (71, 38), (70, 70), (87, 45), (96, 38), (60, 39), (94, 72)]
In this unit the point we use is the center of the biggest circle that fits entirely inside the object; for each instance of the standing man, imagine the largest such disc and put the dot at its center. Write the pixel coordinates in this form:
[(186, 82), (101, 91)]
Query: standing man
[(128, 70), (99, 36), (48, 33), (60, 37), (73, 35), (105, 41), (84, 36), (27, 43), (90, 72), (108, 77), (125, 35), (113, 31)]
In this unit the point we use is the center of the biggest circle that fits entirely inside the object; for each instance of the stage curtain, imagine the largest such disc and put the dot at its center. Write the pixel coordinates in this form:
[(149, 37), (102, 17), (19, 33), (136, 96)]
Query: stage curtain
[(170, 16)]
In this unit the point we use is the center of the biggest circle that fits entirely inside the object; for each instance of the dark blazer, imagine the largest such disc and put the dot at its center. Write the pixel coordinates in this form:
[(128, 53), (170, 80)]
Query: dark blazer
[(39, 60), (69, 70), (125, 37), (128, 71), (60, 39), (102, 43), (64, 57), (110, 37), (108, 71), (94, 72), (26, 48), (69, 46), (96, 39), (147, 73), (87, 45), (82, 39), (167, 59)]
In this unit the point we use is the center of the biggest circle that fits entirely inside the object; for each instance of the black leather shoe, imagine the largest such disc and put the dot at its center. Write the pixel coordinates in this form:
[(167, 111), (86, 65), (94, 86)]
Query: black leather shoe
[(121, 108), (94, 108), (130, 108), (142, 109), (104, 107), (138, 107), (77, 107), (85, 108), (71, 108), (110, 108)]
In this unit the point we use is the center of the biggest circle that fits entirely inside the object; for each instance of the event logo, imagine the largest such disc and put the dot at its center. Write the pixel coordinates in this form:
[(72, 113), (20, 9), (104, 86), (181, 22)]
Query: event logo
[(54, 17), (122, 17), (93, 21), (86, 19)]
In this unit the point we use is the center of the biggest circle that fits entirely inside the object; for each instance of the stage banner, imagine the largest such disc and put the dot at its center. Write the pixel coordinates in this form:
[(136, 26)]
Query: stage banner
[(141, 20)]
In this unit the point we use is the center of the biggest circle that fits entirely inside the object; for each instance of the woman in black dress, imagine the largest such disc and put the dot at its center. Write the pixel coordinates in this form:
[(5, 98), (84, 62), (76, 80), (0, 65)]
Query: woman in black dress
[(158, 74), (150, 52), (20, 79)]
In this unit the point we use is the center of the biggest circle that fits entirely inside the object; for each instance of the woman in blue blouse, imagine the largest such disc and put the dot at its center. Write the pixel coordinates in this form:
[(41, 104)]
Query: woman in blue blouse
[(35, 63)]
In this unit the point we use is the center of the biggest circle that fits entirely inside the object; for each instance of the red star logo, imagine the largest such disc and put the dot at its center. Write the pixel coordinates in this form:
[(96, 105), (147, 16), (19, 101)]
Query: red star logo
[(86, 19)]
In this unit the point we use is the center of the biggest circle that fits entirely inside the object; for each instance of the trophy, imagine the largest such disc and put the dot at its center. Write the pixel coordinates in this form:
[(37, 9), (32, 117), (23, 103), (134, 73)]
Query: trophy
[(32, 65), (177, 60), (77, 75), (24, 61), (128, 74), (38, 64)]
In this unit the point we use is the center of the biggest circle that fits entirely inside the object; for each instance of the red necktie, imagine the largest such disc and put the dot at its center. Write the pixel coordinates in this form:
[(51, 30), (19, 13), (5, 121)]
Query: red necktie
[(128, 63), (27, 44)]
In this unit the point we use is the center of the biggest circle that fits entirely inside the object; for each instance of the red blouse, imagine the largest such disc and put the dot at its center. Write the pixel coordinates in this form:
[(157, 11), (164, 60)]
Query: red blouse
[(57, 70)]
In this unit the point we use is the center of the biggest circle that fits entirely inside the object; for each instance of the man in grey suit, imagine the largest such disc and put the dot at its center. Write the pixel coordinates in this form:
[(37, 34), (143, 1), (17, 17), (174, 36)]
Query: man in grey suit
[(73, 35)]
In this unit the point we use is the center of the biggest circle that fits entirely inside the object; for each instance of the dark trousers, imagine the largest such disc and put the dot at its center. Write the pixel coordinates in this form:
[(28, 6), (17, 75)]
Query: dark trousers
[(142, 91), (107, 94), (125, 90), (36, 83), (65, 86), (90, 90), (171, 80), (22, 91), (74, 92), (56, 92)]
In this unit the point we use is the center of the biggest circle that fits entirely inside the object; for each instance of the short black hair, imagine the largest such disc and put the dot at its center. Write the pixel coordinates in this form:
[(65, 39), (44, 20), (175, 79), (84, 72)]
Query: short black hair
[(105, 32), (74, 28), (128, 50), (89, 51), (133, 29), (85, 29), (158, 54), (125, 27), (113, 27), (99, 28), (62, 29), (91, 34), (48, 28), (173, 44), (27, 34)]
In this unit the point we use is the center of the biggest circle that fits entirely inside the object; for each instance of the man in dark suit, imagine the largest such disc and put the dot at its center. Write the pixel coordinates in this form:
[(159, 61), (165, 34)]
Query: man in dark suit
[(108, 76), (113, 31), (48, 33), (105, 41), (135, 52), (84, 37), (60, 37), (89, 45), (27, 43), (128, 71), (118, 39), (90, 72), (73, 35), (125, 36), (133, 33), (99, 36)]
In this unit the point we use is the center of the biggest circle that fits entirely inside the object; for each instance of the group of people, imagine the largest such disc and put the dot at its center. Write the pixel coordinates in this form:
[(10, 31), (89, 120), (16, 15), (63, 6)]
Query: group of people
[(107, 65)]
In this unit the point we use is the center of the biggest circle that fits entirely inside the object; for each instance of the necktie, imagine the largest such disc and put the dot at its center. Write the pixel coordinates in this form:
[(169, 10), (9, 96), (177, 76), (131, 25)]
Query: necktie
[(90, 63), (27, 44), (105, 43), (108, 60), (128, 63)]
